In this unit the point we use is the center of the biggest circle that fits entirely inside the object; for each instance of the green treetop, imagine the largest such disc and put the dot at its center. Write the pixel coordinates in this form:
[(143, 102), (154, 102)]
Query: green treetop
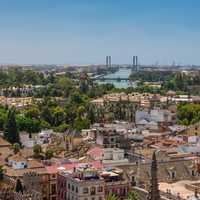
[(19, 187), (11, 133)]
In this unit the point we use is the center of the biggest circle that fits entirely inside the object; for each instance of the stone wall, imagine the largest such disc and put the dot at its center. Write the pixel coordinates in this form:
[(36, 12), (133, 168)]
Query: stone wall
[(31, 181)]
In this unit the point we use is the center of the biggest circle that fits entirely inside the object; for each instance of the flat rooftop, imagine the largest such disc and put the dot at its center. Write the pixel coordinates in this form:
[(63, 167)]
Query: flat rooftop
[(178, 188)]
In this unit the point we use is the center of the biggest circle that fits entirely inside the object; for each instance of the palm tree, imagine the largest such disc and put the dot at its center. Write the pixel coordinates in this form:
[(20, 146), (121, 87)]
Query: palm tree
[(111, 197), (132, 196)]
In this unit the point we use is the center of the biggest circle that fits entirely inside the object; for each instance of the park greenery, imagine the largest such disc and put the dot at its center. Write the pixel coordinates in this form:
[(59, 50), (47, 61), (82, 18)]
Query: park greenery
[(18, 77), (64, 100), (169, 80), (131, 196), (38, 153), (11, 133), (151, 76), (188, 113)]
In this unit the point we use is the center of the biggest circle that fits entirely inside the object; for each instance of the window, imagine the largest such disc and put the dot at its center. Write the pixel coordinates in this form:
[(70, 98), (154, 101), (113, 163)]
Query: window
[(100, 198), (53, 189), (124, 191), (66, 195), (100, 189), (85, 190), (53, 176), (44, 189), (68, 186), (193, 173), (173, 175), (93, 191), (76, 189), (72, 188), (133, 183)]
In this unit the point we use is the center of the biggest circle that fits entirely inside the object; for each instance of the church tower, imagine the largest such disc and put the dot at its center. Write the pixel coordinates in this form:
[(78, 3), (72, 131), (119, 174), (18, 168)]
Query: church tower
[(154, 193)]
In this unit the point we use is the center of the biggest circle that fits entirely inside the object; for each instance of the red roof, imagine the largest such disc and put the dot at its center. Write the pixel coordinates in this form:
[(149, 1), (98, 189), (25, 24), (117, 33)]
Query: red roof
[(53, 169)]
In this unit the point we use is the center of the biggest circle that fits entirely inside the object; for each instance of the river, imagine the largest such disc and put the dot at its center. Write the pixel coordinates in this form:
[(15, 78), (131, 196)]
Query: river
[(122, 73)]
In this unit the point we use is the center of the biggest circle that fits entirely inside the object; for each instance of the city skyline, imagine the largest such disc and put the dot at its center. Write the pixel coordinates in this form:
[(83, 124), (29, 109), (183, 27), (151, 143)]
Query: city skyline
[(83, 32)]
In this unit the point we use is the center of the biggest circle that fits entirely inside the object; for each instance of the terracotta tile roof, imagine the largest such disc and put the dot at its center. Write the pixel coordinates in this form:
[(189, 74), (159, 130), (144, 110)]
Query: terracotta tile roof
[(4, 143), (20, 172), (33, 164), (27, 152), (17, 157), (4, 153)]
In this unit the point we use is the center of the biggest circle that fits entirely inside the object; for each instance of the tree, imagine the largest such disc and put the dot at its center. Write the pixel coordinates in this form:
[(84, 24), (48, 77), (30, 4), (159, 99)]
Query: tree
[(32, 112), (65, 84), (19, 187), (2, 118), (188, 113), (58, 115), (76, 98), (62, 128), (44, 124), (49, 154), (37, 150), (11, 133), (81, 123), (81, 111), (1, 172), (29, 125), (111, 197), (91, 114), (16, 148), (132, 196), (46, 114)]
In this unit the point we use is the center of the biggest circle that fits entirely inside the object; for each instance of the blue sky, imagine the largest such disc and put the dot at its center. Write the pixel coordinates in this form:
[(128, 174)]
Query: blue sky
[(85, 31)]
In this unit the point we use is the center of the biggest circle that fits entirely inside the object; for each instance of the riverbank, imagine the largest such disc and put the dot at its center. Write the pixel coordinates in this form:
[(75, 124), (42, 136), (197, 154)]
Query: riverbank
[(122, 73)]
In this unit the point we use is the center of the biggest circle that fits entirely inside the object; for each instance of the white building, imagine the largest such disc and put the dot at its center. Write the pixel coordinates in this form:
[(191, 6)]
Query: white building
[(17, 162), (155, 115), (114, 157)]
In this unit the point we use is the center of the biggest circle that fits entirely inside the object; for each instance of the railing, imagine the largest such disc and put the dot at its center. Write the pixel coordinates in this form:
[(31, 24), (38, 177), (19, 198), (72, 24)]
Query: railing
[(164, 195), (170, 196)]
